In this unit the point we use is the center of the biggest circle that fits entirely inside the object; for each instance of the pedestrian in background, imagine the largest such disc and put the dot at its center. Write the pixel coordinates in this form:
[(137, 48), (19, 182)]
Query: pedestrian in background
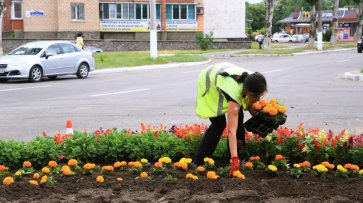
[(225, 88), (260, 41), (79, 40)]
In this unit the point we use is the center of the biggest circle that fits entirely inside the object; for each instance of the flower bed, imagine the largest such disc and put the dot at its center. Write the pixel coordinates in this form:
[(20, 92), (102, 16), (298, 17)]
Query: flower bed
[(128, 164)]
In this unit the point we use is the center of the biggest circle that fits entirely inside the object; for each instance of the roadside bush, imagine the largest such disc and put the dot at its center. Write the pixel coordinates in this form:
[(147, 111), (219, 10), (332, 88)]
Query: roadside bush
[(327, 35), (204, 40)]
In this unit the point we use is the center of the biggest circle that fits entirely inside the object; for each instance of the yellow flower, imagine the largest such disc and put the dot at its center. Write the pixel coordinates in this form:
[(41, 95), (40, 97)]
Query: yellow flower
[(45, 170), (209, 161), (165, 160), (342, 169), (212, 175), (186, 160), (8, 181), (100, 179), (44, 179), (191, 176), (120, 179), (18, 173), (361, 172), (320, 168), (297, 165), (268, 138), (33, 182), (272, 168), (144, 161)]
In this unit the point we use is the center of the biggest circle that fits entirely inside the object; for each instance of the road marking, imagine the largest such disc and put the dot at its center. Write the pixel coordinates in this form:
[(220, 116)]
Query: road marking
[(341, 61), (24, 88), (113, 93), (273, 71)]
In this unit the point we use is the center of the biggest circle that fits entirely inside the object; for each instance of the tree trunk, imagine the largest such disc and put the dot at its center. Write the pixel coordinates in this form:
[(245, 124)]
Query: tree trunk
[(360, 20), (334, 31), (312, 25), (2, 11), (270, 6)]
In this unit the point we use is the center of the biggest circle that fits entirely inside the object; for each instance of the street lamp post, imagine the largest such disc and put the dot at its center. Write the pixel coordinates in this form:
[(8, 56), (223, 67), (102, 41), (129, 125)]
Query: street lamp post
[(153, 31)]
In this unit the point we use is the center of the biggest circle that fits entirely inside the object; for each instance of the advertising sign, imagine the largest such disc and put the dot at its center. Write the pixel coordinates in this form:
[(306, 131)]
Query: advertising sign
[(181, 25), (343, 33), (126, 25)]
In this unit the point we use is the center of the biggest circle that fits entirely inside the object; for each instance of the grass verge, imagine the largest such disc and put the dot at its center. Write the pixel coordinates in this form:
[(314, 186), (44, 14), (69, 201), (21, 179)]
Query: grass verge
[(134, 58), (361, 70)]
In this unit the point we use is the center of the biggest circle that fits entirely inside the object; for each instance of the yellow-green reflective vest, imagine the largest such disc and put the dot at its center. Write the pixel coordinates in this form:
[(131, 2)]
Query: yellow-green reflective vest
[(210, 100)]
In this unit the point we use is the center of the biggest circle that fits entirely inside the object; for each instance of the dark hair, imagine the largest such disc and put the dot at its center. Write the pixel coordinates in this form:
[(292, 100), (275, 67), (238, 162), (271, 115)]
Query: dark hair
[(255, 83), (80, 34)]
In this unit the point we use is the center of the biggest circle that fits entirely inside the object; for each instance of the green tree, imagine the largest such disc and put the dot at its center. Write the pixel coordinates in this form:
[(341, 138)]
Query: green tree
[(270, 6), (2, 11), (358, 33), (256, 14)]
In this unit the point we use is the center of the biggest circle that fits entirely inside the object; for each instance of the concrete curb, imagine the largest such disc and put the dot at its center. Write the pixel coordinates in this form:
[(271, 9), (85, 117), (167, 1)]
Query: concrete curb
[(295, 54), (149, 67), (355, 76)]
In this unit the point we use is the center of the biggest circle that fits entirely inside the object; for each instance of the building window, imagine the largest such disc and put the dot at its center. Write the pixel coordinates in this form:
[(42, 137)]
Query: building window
[(16, 10), (180, 11), (127, 11), (77, 11)]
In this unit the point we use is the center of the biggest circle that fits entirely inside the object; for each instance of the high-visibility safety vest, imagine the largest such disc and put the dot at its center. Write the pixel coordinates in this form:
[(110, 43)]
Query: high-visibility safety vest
[(210, 100)]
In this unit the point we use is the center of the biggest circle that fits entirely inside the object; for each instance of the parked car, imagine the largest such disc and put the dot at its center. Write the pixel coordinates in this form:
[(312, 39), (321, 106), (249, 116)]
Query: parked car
[(297, 38), (51, 59), (360, 45), (92, 49), (281, 38)]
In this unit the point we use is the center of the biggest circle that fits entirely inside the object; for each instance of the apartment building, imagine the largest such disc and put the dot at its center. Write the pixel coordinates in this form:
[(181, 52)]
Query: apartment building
[(125, 19)]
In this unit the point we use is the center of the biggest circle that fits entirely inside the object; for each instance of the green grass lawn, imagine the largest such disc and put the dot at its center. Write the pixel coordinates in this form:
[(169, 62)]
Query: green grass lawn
[(140, 58), (361, 70)]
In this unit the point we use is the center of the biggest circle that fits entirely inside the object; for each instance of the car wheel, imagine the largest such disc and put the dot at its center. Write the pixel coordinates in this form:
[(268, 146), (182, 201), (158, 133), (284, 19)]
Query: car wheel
[(52, 77), (35, 74), (359, 50), (275, 41), (83, 71), (3, 79), (290, 41)]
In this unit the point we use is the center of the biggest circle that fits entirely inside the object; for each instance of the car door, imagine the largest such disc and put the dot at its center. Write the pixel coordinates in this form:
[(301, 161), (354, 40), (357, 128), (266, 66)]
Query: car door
[(52, 64), (70, 58)]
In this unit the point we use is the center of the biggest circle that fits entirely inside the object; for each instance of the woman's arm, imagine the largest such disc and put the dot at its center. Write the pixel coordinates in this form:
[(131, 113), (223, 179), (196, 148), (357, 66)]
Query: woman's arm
[(232, 120)]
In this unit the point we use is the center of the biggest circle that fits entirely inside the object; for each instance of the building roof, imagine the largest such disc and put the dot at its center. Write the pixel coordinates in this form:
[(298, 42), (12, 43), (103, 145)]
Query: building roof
[(344, 15)]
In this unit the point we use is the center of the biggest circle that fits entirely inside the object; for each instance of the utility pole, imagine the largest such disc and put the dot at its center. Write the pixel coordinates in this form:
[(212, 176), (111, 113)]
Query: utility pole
[(153, 31), (320, 25)]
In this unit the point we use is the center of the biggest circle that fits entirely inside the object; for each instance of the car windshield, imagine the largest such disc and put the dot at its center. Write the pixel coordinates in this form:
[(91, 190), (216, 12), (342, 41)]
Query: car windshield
[(28, 49)]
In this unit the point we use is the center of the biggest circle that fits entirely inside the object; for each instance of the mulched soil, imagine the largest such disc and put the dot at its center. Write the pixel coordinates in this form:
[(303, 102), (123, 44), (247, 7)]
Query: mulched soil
[(257, 187)]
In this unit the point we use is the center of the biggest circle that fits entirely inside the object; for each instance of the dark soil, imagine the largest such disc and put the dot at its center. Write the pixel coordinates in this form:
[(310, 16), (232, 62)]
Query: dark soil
[(258, 187)]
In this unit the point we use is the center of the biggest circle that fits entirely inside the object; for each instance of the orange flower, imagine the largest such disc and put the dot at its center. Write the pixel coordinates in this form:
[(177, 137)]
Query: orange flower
[(143, 175), (273, 111), (263, 103), (44, 179), (266, 109), (273, 101), (8, 180), (89, 166), (249, 164), (107, 168), (65, 167), (184, 166), (212, 175), (123, 163), (131, 163), (158, 164), (67, 172), (305, 164), (45, 170), (72, 162), (27, 164), (3, 168), (279, 157), (100, 179), (52, 164), (254, 158), (200, 169), (137, 164), (117, 164), (256, 106), (33, 182), (282, 109), (36, 176)]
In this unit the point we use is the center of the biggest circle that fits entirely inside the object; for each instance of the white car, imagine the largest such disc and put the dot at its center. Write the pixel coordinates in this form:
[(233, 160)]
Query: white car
[(298, 38), (51, 59), (281, 38)]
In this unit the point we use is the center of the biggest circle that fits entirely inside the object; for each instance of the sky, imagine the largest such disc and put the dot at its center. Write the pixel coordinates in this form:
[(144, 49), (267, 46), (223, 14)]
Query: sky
[(254, 1)]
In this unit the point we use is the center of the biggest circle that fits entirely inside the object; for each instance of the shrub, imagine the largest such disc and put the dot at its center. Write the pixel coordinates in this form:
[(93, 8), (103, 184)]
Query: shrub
[(327, 35), (205, 40)]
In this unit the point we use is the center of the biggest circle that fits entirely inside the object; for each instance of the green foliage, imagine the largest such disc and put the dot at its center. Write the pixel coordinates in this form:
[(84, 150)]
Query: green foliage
[(361, 70), (205, 40), (327, 35)]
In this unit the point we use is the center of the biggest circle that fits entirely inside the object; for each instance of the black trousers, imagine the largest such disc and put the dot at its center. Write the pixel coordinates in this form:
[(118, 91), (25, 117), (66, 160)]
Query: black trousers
[(260, 44), (213, 134)]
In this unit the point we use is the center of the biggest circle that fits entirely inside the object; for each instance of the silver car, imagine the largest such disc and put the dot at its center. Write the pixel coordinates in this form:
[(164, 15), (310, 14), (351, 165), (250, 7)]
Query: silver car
[(39, 59)]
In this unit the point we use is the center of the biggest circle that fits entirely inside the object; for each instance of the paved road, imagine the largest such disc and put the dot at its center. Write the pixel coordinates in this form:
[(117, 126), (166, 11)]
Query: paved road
[(309, 85)]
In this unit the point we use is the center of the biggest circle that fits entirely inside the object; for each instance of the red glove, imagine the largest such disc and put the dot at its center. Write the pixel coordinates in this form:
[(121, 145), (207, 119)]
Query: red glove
[(234, 165)]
